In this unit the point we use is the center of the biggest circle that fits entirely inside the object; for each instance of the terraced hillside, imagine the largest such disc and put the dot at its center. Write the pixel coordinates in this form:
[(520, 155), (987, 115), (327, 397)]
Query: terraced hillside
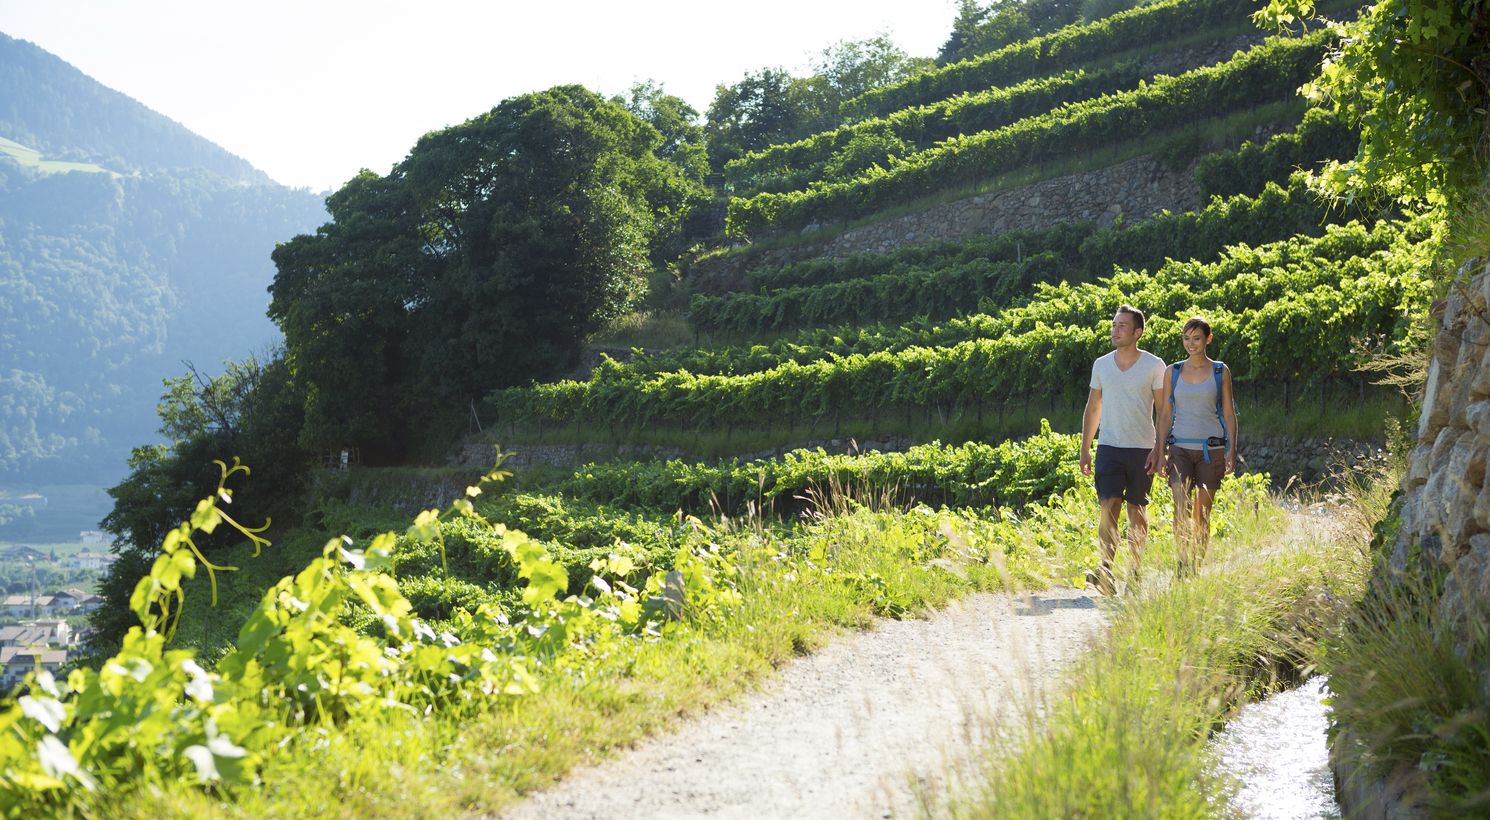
[(957, 350), (936, 275)]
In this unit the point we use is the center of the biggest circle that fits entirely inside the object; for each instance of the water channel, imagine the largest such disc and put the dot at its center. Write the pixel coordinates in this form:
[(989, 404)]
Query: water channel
[(1276, 750)]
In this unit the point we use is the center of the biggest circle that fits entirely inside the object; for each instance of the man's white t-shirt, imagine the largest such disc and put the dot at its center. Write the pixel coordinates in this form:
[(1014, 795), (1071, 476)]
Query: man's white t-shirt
[(1127, 399)]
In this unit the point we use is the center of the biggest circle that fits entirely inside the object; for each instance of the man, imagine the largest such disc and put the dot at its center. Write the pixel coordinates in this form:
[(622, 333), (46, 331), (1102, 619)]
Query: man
[(1125, 386)]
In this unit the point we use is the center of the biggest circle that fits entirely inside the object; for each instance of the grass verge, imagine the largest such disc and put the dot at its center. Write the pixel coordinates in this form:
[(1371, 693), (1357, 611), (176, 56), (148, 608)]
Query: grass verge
[(1129, 738)]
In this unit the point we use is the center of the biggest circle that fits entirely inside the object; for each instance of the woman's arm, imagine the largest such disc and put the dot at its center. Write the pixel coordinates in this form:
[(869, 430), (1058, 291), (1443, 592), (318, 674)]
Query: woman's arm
[(1164, 416)]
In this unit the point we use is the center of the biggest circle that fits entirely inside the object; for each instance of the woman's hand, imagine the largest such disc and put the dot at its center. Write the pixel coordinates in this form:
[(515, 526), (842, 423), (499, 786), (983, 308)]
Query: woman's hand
[(1230, 461), (1155, 461)]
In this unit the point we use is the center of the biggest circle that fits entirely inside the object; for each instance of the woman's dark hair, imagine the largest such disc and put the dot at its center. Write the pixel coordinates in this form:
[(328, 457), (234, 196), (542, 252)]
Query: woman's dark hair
[(1135, 313), (1197, 323)]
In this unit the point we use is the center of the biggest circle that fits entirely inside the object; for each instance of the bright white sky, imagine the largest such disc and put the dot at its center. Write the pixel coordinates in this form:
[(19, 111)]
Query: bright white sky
[(311, 91)]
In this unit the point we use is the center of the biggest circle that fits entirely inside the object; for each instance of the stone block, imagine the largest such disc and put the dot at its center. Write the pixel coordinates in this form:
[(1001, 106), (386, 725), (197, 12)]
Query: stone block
[(1431, 548), (1477, 417), (1418, 466), (1449, 340), (1431, 502), (1435, 412), (1406, 542), (1466, 464), (1410, 519), (1466, 590), (1443, 446), (1464, 482), (1463, 396), (1480, 378), (1482, 505)]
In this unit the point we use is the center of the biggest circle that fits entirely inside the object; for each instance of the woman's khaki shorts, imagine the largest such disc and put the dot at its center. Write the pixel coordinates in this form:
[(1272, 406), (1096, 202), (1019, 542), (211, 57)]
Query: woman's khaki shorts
[(1190, 467)]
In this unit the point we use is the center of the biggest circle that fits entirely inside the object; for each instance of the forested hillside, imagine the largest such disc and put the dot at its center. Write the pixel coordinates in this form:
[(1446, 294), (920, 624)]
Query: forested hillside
[(128, 245), (924, 253)]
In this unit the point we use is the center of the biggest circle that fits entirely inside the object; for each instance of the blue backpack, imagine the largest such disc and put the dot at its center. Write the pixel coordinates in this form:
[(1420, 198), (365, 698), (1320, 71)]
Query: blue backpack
[(1218, 368)]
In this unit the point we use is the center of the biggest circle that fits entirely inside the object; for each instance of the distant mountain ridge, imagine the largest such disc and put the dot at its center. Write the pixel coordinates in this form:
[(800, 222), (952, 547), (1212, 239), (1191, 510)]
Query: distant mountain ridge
[(42, 95), (110, 280)]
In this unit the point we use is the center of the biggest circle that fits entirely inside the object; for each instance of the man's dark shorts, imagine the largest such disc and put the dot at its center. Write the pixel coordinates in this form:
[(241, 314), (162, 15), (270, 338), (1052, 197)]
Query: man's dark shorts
[(1120, 473)]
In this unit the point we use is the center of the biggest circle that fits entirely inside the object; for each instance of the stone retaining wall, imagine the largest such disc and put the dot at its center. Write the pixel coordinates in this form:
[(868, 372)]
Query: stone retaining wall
[(1444, 521), (1445, 518)]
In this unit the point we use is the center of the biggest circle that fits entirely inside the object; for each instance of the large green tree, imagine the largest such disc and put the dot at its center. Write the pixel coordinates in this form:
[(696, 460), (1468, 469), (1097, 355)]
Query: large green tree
[(771, 106), (481, 260)]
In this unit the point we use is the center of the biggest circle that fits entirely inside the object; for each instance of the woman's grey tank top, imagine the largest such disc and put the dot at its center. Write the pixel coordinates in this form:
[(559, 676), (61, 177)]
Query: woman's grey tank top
[(1195, 412)]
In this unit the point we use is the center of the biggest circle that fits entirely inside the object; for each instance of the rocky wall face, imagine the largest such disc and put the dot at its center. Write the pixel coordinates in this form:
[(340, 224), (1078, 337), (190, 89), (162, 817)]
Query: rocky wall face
[(1445, 517), (1131, 190)]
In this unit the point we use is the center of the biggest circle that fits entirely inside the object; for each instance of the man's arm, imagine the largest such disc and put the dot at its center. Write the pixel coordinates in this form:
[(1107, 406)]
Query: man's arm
[(1155, 462), (1089, 419)]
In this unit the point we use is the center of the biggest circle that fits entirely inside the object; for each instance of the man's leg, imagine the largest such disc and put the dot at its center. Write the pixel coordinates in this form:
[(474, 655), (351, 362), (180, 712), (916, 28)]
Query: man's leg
[(1138, 534), (1107, 538)]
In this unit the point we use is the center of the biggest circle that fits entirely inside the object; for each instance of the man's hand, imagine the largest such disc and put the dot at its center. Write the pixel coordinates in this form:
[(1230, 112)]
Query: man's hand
[(1086, 461), (1154, 464)]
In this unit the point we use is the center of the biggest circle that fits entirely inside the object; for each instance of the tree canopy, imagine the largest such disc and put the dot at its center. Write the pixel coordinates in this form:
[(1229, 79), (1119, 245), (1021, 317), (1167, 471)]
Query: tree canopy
[(481, 260), (770, 106), (1414, 76)]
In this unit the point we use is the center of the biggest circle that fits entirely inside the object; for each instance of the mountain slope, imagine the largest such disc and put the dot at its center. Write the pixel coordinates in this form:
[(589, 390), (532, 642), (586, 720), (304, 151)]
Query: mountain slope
[(48, 105), (128, 245)]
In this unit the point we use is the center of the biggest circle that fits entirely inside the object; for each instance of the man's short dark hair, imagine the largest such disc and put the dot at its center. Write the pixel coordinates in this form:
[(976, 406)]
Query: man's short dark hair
[(1197, 323), (1135, 313)]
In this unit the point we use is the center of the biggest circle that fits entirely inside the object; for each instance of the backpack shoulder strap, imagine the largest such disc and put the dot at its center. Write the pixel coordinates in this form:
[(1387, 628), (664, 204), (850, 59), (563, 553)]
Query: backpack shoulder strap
[(1174, 383), (1218, 370)]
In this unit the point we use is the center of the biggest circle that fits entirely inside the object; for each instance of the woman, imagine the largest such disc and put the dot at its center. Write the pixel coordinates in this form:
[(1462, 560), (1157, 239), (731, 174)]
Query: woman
[(1201, 433)]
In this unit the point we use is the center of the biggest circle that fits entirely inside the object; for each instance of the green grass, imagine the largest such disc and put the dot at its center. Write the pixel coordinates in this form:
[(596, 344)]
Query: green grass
[(649, 329), (1130, 737), (31, 158), (1175, 145)]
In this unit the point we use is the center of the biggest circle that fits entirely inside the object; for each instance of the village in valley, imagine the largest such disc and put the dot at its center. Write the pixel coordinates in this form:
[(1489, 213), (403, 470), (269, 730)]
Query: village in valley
[(49, 593)]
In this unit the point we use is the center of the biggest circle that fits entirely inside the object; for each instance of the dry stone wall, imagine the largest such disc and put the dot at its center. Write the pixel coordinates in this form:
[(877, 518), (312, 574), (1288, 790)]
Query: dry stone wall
[(1443, 523), (1130, 190), (1445, 516)]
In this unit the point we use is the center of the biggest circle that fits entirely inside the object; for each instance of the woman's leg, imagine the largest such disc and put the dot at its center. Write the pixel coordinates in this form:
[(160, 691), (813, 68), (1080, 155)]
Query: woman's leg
[(1183, 537), (1203, 500)]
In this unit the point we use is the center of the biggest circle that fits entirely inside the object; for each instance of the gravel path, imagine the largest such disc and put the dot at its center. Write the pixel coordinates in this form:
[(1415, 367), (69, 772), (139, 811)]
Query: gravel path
[(848, 731)]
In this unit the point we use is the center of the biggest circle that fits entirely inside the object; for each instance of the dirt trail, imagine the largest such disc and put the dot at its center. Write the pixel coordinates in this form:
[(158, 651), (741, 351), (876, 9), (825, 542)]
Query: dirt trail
[(847, 731)]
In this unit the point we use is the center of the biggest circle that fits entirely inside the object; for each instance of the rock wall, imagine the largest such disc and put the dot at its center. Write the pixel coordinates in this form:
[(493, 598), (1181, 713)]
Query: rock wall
[(1130, 190), (1445, 517), (1443, 523)]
